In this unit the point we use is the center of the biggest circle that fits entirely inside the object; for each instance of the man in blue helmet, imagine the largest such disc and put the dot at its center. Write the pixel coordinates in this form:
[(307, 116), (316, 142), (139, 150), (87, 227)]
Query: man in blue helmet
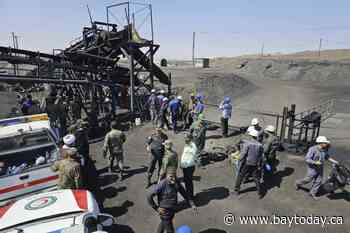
[(226, 108), (175, 107), (199, 108), (184, 229)]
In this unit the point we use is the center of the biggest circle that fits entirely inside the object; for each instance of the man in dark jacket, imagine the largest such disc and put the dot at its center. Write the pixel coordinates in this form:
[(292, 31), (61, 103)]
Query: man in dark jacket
[(166, 192), (163, 112), (250, 159), (154, 144)]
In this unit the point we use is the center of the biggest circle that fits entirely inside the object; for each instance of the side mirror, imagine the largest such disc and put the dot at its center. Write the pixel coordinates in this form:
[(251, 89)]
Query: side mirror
[(106, 220)]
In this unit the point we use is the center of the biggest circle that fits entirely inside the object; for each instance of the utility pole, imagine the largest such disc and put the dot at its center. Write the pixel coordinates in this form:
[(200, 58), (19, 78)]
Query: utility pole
[(262, 50), (193, 48), (319, 48)]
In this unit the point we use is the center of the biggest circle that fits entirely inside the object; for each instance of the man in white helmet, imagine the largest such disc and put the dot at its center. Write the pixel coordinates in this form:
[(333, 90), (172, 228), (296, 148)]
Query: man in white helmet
[(315, 158), (163, 113), (154, 106), (255, 125), (271, 145), (250, 160)]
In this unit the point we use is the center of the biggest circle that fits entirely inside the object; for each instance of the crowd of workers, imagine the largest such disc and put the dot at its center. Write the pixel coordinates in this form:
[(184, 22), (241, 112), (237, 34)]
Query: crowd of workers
[(253, 157)]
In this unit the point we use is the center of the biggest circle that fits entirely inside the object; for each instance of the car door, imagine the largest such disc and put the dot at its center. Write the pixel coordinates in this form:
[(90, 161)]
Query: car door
[(30, 179)]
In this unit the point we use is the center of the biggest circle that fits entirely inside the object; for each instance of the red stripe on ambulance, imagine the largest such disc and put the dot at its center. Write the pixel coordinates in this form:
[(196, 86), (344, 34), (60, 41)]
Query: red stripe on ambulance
[(29, 184), (81, 198)]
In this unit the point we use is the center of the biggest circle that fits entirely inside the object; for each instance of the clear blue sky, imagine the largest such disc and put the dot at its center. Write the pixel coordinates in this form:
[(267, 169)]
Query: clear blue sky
[(224, 27)]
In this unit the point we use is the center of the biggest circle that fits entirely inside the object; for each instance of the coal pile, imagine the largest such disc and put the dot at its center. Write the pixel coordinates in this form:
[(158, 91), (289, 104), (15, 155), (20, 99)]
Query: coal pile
[(215, 86)]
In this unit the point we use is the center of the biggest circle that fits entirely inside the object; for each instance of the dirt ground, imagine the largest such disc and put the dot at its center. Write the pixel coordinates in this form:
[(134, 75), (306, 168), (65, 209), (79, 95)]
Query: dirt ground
[(126, 200)]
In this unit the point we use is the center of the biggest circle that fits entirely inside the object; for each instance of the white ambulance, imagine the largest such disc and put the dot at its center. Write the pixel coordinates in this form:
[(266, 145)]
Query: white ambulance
[(28, 147), (57, 211)]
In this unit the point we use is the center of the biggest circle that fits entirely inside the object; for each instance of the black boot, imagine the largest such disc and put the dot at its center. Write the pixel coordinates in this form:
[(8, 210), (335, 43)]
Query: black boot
[(149, 182)]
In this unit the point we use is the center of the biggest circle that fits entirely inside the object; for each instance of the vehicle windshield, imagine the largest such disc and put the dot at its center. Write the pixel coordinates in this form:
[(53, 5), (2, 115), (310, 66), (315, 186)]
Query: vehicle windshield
[(21, 152), (23, 141)]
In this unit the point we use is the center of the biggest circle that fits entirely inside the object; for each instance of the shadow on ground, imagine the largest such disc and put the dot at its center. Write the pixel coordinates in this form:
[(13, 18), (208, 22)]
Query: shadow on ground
[(132, 172), (119, 210), (217, 193), (213, 230), (275, 180), (121, 229), (344, 195), (111, 192)]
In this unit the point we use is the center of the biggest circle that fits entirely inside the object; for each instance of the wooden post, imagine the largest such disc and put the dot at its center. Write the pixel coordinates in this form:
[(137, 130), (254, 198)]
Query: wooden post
[(169, 86), (284, 122), (291, 123), (131, 61)]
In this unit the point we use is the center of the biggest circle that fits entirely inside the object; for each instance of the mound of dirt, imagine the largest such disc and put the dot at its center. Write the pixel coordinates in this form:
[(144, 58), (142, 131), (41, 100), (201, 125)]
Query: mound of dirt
[(294, 70), (215, 86)]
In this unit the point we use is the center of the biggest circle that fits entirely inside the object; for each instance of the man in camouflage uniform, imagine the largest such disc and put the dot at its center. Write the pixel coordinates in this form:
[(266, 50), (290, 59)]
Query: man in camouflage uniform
[(170, 160), (114, 141), (198, 132), (69, 171), (154, 145)]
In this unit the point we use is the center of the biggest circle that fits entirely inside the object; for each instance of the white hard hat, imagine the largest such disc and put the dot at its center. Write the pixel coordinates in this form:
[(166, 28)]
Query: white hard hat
[(179, 97), (153, 91), (322, 139), (162, 91), (69, 139), (255, 121), (40, 160), (253, 133), (165, 99), (270, 128)]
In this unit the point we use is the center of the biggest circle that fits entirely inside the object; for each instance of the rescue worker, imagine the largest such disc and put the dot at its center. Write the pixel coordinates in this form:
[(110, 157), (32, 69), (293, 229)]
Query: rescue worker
[(199, 107), (163, 113), (315, 158), (170, 160), (251, 155), (175, 108), (198, 132), (154, 145), (188, 108), (167, 191), (255, 125), (113, 143), (76, 108), (161, 97), (82, 139), (226, 108), (26, 105), (153, 104), (188, 162), (271, 145), (69, 171), (3, 168), (62, 113)]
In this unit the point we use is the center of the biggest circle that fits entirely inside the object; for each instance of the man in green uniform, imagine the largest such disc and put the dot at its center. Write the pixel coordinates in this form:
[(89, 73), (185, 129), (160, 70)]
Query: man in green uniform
[(113, 143), (69, 172), (170, 160), (198, 132)]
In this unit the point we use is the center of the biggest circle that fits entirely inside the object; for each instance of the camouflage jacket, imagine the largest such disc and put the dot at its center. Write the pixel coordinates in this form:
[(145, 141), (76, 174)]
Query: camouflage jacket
[(114, 141), (170, 160), (69, 174)]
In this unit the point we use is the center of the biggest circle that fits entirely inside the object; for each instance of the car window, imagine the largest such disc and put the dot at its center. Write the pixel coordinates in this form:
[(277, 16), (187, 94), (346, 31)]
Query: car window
[(21, 153)]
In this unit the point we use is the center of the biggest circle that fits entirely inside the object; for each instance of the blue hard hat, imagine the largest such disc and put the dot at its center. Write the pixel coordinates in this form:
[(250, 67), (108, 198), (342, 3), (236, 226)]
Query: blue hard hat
[(268, 167), (227, 99), (184, 229)]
